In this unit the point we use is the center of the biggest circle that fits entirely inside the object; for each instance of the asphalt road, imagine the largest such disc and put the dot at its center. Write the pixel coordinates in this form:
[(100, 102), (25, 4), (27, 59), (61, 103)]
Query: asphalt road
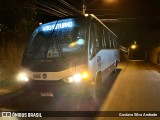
[(134, 87), (137, 88)]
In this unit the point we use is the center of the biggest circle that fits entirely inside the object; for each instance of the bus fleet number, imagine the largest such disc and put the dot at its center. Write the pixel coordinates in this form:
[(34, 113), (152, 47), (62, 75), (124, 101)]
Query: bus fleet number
[(36, 75)]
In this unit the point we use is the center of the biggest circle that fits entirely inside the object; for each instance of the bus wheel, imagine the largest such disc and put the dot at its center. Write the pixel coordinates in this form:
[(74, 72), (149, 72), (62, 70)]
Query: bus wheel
[(98, 93), (116, 64)]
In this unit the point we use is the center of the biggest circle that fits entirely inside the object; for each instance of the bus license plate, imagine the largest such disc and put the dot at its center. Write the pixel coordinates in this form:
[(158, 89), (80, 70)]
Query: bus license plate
[(46, 94)]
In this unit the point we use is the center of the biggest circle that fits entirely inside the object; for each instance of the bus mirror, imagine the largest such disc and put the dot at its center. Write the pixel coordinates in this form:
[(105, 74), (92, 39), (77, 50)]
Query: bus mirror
[(92, 51)]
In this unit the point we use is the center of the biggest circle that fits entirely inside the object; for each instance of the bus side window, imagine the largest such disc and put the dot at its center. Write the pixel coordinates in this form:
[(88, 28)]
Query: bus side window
[(114, 41), (107, 40), (116, 44), (95, 38), (100, 37), (104, 44), (92, 40), (97, 45), (111, 41)]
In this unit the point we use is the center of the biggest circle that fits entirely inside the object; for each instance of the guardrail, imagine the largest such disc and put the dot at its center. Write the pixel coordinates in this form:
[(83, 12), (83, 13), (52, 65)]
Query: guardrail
[(124, 49)]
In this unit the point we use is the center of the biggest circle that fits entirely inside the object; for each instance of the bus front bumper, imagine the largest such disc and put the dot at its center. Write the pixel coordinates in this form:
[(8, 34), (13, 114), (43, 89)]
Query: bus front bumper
[(56, 87)]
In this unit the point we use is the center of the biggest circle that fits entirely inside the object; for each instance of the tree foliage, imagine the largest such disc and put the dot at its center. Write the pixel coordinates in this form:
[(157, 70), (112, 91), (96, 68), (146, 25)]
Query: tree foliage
[(17, 21), (18, 15)]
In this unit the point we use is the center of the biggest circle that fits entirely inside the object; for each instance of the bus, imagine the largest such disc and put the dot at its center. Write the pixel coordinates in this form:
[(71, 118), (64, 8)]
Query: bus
[(69, 54)]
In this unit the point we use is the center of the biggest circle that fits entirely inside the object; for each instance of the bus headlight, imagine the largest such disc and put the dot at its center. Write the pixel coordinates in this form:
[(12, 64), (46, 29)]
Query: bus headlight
[(68, 80), (22, 77), (85, 75), (77, 77)]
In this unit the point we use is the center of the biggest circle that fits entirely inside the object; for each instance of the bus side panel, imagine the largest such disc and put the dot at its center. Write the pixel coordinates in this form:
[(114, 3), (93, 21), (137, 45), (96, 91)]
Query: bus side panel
[(92, 68), (105, 61)]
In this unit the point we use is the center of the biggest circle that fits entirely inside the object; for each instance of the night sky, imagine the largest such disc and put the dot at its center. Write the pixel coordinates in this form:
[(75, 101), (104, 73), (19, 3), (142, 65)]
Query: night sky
[(131, 20)]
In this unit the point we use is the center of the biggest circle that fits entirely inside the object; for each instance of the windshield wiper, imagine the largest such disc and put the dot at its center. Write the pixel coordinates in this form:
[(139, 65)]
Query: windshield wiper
[(58, 45), (52, 37)]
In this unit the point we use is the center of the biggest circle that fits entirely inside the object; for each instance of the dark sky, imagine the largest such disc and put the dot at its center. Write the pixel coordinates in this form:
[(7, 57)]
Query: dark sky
[(127, 8), (131, 20)]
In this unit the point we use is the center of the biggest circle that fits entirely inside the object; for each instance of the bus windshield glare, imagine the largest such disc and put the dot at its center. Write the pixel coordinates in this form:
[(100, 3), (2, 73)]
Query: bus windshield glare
[(57, 38)]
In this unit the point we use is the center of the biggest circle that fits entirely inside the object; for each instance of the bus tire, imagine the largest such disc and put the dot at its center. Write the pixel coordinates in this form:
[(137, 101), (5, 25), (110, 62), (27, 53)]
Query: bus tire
[(98, 93), (116, 64)]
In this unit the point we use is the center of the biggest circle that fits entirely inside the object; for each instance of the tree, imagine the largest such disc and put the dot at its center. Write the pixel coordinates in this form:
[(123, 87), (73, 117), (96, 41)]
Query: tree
[(18, 15)]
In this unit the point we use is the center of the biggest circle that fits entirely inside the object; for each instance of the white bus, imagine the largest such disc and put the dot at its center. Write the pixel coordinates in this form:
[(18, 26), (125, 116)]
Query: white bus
[(68, 55)]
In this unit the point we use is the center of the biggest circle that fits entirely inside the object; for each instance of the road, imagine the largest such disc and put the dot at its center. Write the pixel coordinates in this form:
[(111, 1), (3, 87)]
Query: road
[(134, 87)]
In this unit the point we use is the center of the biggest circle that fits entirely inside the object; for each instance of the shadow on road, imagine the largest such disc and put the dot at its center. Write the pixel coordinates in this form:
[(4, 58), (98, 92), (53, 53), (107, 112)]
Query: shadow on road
[(108, 84), (111, 79)]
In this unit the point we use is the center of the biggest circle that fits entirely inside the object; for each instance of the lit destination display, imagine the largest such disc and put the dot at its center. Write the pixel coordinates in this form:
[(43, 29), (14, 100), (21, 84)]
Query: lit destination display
[(61, 25)]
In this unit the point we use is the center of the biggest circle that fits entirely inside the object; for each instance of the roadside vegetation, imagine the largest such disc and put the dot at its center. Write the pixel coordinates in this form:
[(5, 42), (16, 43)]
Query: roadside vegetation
[(16, 25)]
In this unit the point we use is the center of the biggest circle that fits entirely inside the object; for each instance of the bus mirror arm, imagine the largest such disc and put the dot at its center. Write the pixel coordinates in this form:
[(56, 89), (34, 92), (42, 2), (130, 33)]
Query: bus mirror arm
[(94, 50), (92, 53)]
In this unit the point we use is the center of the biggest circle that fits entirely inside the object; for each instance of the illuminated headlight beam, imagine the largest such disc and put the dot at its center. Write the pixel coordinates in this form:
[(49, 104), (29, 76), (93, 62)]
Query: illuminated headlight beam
[(22, 77), (77, 77)]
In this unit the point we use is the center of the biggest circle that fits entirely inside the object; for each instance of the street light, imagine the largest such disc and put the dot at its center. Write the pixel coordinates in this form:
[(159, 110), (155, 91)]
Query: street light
[(134, 46), (85, 7), (40, 23), (132, 49), (109, 1)]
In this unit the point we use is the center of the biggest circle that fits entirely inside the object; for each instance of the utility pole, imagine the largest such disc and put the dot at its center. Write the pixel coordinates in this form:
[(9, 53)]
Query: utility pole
[(84, 7)]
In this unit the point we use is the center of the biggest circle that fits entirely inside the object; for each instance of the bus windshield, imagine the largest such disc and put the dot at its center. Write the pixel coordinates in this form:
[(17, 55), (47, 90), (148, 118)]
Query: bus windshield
[(57, 38)]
